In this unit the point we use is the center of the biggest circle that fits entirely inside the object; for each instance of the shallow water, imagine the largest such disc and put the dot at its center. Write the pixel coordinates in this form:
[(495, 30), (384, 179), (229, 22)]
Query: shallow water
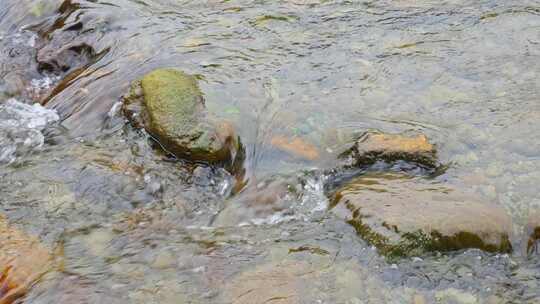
[(136, 226)]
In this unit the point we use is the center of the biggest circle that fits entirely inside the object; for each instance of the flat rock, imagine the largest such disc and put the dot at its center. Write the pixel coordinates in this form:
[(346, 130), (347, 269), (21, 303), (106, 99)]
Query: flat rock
[(281, 283), (404, 216), (23, 261), (375, 146), (170, 106), (304, 277)]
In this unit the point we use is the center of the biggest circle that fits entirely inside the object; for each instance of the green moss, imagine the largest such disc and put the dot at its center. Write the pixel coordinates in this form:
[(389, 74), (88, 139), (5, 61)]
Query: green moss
[(419, 242), (175, 115), (173, 100), (409, 244)]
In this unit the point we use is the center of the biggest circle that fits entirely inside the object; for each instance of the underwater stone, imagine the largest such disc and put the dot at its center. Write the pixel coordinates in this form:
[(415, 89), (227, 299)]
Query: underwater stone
[(296, 146), (375, 146), (404, 216)]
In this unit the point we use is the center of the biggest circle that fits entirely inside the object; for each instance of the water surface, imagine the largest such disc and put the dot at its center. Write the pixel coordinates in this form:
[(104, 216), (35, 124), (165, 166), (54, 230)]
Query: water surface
[(134, 224)]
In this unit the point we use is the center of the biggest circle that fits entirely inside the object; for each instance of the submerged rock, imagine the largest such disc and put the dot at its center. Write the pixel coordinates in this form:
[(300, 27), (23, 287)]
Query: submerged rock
[(532, 231), (305, 277), (403, 216), (23, 261), (283, 284), (374, 146), (296, 146), (170, 106), (55, 59), (17, 65)]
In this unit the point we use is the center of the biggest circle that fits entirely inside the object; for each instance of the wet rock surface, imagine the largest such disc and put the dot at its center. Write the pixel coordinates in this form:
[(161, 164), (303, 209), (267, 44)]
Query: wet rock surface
[(62, 59), (401, 215), (18, 66), (68, 50), (275, 283), (306, 277), (173, 112), (372, 146)]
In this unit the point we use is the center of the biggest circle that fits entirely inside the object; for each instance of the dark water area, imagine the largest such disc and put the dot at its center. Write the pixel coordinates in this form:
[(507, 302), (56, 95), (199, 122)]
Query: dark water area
[(127, 223)]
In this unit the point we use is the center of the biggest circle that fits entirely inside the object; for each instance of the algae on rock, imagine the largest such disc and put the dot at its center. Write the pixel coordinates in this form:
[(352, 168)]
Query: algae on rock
[(403, 216), (169, 104)]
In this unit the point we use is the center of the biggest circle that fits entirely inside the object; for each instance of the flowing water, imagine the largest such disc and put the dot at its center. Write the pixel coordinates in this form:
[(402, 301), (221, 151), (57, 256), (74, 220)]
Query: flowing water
[(135, 226)]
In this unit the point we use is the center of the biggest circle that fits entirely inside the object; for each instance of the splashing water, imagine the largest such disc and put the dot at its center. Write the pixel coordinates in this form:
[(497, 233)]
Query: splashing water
[(21, 127)]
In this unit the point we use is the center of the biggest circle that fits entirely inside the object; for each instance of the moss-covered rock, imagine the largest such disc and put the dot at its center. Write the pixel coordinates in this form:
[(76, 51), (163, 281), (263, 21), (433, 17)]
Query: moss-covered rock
[(404, 216), (170, 106)]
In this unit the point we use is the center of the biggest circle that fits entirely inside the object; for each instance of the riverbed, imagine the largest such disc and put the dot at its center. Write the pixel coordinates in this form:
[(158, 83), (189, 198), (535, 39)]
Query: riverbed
[(131, 224)]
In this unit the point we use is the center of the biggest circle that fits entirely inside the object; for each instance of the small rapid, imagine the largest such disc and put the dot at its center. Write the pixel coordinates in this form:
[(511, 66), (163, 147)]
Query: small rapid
[(22, 129)]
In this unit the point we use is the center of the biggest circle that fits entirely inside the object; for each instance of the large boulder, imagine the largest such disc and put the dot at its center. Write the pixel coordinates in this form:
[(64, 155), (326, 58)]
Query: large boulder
[(405, 216), (170, 106), (23, 260)]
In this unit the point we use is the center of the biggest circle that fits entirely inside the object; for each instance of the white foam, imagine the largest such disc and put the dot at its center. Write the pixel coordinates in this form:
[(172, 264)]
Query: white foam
[(15, 113), (39, 86), (32, 41), (314, 198), (273, 219), (21, 127), (312, 204), (115, 110)]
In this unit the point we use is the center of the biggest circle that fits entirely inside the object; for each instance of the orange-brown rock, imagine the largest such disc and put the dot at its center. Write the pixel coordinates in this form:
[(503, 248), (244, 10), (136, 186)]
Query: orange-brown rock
[(23, 261), (403, 216), (296, 147), (375, 146)]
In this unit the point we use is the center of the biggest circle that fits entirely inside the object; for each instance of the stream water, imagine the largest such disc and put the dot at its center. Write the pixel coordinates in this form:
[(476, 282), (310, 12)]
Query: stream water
[(135, 226)]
